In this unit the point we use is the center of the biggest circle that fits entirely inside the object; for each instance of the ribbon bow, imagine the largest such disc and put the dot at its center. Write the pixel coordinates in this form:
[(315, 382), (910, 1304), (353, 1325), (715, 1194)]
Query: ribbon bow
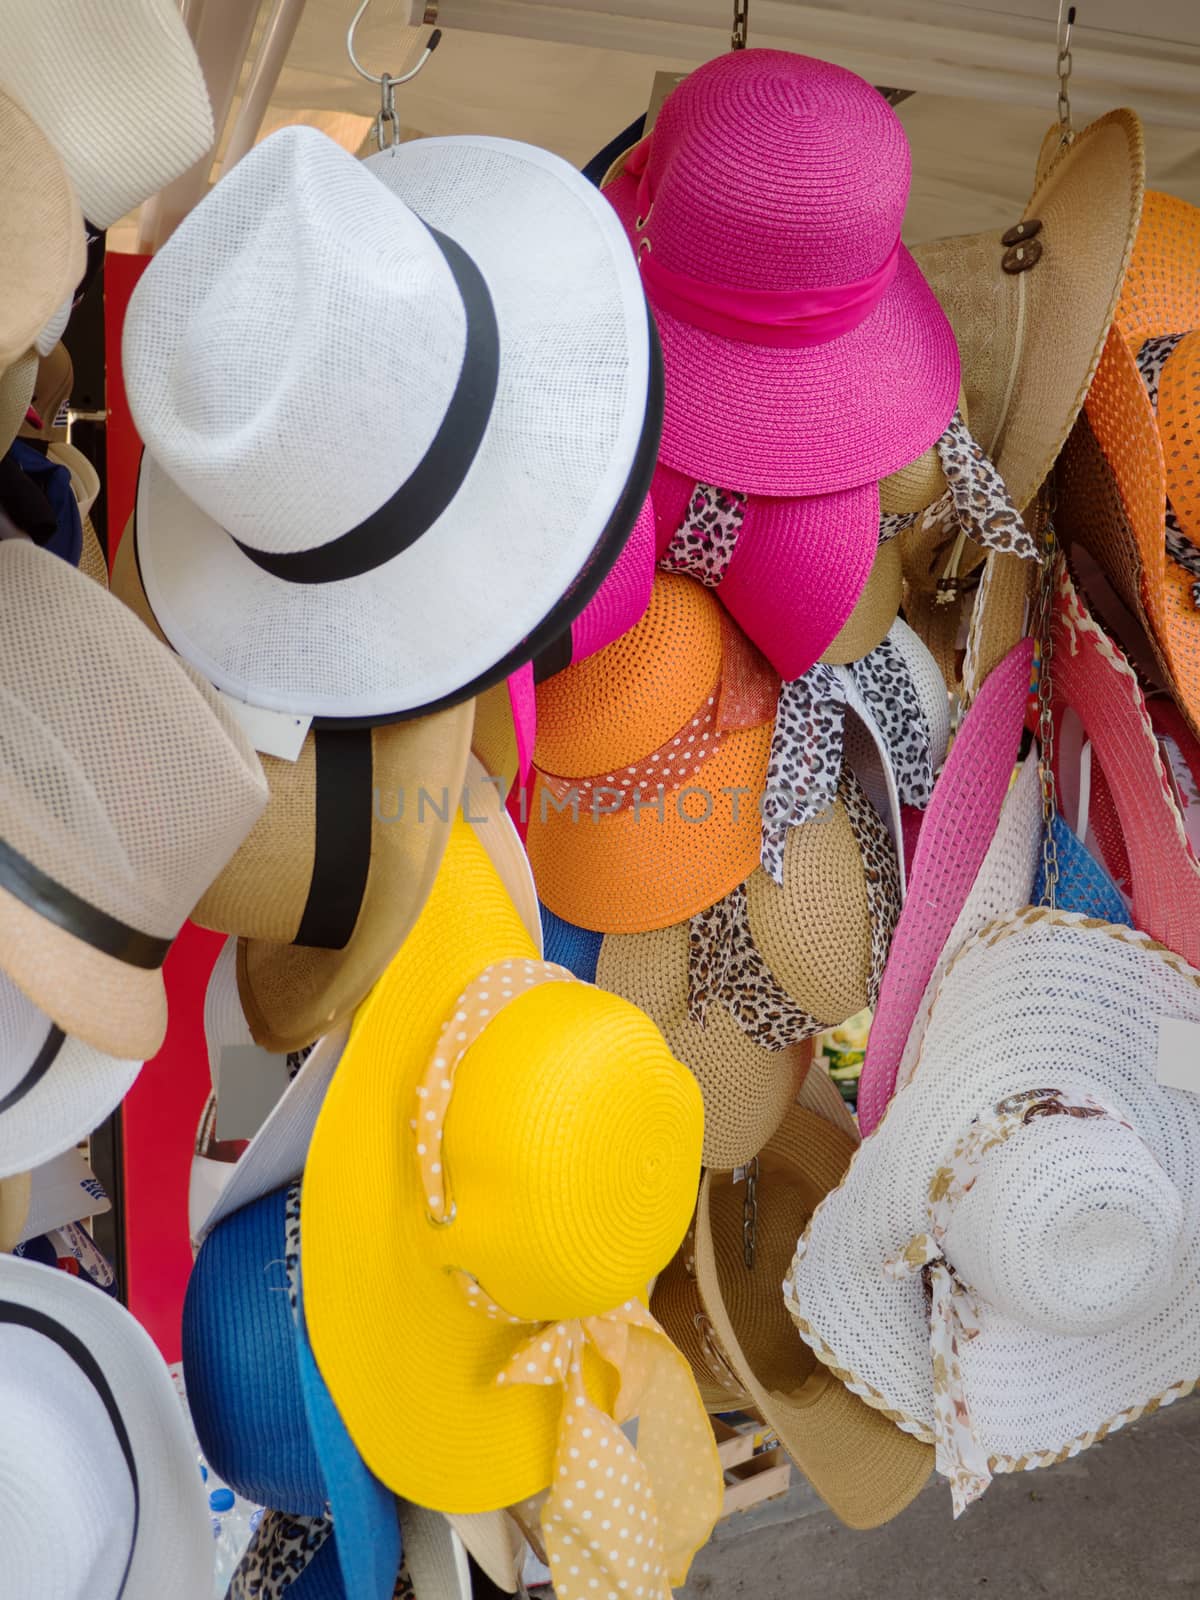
[(620, 1521)]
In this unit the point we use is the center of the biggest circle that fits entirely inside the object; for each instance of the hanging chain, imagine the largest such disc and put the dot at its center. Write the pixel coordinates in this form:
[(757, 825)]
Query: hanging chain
[(1065, 126), (750, 1214), (1044, 635), (741, 24)]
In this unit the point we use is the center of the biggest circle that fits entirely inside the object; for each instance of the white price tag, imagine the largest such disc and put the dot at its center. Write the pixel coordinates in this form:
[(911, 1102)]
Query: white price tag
[(1178, 1065), (272, 733)]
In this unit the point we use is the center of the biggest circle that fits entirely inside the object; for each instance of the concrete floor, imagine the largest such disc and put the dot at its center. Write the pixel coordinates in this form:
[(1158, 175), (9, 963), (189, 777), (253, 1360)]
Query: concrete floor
[(1118, 1521)]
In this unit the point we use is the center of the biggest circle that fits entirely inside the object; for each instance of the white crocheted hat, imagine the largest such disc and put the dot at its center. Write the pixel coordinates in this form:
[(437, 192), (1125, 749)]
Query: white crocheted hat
[(398, 418), (1048, 1186)]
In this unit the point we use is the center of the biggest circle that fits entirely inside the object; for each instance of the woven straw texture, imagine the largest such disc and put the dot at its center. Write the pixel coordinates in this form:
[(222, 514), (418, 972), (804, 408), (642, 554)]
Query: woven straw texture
[(297, 229), (747, 1089), (69, 1100), (60, 1448), (1026, 366), (292, 994), (573, 1150), (639, 869), (133, 799), (1083, 884), (874, 611), (1093, 679), (119, 93), (1082, 1240), (621, 600), (959, 825), (44, 253), (814, 931), (577, 949), (866, 1470), (1003, 885), (15, 1195), (774, 171), (1161, 293), (16, 391), (797, 570), (1179, 428)]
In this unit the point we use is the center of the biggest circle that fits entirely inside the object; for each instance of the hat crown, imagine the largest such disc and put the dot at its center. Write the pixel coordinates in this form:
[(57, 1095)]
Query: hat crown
[(770, 170), (1071, 1226), (75, 1496), (568, 1203), (301, 318)]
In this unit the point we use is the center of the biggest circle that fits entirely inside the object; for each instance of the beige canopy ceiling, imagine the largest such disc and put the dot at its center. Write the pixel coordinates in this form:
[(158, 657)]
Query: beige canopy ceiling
[(570, 74)]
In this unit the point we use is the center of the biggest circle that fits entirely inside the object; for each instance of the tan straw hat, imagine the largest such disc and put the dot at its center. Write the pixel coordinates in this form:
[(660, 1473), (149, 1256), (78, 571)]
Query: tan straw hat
[(51, 392), (125, 786), (14, 1208), (44, 252), (874, 611), (293, 993), (1031, 304), (865, 1469), (16, 392)]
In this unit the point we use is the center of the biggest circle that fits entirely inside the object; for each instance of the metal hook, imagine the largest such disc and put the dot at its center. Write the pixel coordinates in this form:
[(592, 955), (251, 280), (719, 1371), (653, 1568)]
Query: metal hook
[(387, 83), (1063, 67)]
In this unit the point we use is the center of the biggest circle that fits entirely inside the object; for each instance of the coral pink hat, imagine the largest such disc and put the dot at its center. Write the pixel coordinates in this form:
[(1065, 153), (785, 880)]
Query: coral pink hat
[(958, 828), (804, 352)]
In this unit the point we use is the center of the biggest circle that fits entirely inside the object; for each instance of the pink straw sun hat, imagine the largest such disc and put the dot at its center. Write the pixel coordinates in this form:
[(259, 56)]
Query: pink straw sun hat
[(804, 352), (959, 825)]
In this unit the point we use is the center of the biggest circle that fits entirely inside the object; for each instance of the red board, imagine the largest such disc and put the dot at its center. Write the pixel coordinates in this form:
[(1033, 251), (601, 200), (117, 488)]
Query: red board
[(160, 1113)]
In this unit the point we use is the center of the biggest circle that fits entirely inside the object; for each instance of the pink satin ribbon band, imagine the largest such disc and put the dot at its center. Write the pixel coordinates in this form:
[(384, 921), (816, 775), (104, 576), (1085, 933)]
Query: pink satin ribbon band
[(783, 318)]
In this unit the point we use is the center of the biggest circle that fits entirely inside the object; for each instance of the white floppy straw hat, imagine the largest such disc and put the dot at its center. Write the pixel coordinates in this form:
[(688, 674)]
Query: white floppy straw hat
[(400, 417), (118, 91), (53, 1089), (100, 1491), (1049, 1188)]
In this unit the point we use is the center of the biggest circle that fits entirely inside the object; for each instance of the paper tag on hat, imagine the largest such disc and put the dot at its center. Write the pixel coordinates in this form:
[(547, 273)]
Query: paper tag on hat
[(1178, 1065), (272, 733), (62, 1191), (249, 1084)]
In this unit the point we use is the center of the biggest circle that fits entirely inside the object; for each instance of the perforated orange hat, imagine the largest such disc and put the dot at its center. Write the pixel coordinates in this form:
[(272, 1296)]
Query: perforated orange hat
[(651, 759), (1136, 457)]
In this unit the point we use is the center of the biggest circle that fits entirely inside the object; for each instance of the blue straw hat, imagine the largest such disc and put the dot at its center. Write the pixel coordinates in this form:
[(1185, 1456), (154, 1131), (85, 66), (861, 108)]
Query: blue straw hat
[(1083, 884), (263, 1415), (577, 949)]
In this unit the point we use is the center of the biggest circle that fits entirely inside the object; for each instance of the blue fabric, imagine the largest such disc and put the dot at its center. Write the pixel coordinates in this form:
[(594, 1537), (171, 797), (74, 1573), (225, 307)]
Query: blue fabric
[(54, 480), (263, 1415), (1083, 884), (577, 949)]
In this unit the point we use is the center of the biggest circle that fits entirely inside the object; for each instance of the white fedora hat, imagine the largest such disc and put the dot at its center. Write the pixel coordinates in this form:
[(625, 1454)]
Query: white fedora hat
[(53, 1089), (118, 91), (100, 1491), (400, 417), (1045, 1184)]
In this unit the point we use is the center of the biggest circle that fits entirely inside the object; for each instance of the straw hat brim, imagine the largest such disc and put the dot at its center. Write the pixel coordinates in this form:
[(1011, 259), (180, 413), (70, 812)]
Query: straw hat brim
[(632, 873), (495, 1543), (1036, 1398), (91, 560), (173, 1547), (118, 1009), (292, 994), (865, 1469), (394, 1333), (724, 397), (874, 611), (16, 392), (747, 1089), (15, 1192), (44, 249), (52, 390), (1027, 365), (80, 1088)]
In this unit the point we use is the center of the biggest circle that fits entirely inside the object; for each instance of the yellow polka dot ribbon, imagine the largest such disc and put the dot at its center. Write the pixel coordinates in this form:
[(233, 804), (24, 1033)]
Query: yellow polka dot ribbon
[(619, 1523), (479, 1002)]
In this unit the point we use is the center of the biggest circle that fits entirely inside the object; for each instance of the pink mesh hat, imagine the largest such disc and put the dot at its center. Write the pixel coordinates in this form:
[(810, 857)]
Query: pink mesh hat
[(959, 825), (804, 352)]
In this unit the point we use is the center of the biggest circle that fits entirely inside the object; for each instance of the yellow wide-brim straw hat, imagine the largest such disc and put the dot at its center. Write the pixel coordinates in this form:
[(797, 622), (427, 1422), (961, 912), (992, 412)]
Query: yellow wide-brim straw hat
[(572, 1145), (45, 251), (860, 1464), (1031, 314)]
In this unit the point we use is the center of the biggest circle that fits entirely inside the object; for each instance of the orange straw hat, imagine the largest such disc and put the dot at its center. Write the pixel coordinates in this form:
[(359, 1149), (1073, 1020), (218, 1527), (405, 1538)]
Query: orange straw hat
[(651, 760), (1141, 412)]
